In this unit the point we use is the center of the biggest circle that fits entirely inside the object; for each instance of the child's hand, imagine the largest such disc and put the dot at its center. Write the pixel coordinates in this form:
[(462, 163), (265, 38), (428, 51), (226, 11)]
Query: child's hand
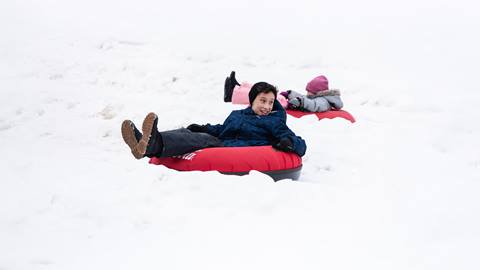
[(197, 128), (284, 145), (295, 103)]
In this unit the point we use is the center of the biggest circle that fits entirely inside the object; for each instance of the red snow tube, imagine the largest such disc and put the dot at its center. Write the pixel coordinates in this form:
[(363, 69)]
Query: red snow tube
[(321, 115), (238, 161)]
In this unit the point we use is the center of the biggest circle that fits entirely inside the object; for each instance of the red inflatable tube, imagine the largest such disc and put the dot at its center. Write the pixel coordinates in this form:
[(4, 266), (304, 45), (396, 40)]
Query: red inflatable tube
[(321, 115), (238, 161)]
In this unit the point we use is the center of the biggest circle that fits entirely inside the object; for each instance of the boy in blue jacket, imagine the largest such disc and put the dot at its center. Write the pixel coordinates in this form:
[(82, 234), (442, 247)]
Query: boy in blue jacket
[(263, 123)]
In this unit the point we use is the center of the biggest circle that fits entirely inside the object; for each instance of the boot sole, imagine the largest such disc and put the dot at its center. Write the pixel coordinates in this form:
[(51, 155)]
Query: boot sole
[(128, 135), (147, 127)]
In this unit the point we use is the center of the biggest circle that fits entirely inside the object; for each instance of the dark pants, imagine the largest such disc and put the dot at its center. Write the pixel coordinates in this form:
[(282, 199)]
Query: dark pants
[(181, 141)]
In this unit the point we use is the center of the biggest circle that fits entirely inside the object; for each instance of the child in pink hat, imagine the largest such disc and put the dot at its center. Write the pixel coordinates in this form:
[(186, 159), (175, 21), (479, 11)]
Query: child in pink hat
[(319, 97)]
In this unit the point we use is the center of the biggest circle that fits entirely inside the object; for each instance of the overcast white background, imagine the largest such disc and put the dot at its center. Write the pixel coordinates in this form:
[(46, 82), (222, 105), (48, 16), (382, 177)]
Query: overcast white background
[(396, 190)]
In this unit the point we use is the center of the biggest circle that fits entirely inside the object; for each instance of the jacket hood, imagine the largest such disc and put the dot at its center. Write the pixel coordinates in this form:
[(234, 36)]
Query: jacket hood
[(330, 92)]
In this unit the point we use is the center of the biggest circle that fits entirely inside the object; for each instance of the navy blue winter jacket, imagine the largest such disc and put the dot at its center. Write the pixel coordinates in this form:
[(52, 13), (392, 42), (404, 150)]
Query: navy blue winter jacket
[(245, 128)]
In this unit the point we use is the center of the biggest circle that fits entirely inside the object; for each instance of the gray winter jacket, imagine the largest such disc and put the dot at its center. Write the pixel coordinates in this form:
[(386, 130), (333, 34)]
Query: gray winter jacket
[(320, 102)]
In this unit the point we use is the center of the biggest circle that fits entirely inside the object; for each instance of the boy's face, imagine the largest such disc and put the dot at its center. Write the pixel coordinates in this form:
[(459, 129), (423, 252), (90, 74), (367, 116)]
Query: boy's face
[(263, 103)]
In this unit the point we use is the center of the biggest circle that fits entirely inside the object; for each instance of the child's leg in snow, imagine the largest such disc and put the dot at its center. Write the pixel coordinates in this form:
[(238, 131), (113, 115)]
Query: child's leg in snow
[(230, 83), (240, 93), (181, 141)]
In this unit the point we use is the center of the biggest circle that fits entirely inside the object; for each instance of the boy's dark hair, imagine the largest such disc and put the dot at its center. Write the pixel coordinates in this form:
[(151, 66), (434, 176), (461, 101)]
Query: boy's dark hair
[(261, 87)]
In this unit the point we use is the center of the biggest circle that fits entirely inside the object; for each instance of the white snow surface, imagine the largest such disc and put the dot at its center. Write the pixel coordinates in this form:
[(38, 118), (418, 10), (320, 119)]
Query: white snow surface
[(396, 190)]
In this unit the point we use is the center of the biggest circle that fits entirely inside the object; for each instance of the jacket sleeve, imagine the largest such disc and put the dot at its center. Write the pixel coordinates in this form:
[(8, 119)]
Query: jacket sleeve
[(280, 130), (319, 104), (216, 130), (335, 101)]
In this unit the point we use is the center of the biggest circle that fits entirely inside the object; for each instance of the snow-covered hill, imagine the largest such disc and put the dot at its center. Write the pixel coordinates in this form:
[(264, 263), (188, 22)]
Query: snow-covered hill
[(396, 190)]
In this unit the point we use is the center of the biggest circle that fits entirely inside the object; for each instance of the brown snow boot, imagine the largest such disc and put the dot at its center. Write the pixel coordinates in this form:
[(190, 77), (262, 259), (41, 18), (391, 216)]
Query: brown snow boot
[(131, 135), (151, 143)]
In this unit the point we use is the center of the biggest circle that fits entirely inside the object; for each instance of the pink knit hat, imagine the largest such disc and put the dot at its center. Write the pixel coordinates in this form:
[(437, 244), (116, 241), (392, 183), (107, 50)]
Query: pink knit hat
[(318, 84)]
